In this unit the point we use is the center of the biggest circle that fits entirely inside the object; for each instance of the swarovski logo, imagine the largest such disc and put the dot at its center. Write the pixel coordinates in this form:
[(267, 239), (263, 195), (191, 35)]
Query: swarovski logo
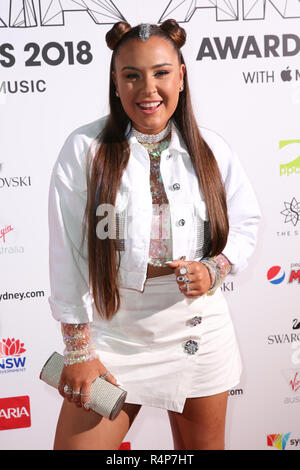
[(15, 181)]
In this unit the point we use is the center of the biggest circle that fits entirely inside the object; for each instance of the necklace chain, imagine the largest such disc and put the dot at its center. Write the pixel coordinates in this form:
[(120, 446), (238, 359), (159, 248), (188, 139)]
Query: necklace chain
[(150, 138)]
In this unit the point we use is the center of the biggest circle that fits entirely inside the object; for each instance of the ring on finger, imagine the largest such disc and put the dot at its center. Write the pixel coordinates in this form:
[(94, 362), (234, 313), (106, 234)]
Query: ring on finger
[(84, 394), (105, 375), (67, 390), (183, 269), (86, 405), (76, 393)]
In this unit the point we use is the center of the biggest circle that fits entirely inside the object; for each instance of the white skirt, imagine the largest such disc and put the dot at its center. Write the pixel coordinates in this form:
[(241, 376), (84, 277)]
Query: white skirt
[(163, 347)]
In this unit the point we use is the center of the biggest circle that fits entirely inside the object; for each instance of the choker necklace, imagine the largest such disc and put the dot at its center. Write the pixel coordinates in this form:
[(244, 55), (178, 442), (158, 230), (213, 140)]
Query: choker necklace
[(150, 138)]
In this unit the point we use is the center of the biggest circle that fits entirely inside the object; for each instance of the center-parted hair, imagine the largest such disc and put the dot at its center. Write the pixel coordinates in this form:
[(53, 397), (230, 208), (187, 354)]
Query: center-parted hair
[(106, 167)]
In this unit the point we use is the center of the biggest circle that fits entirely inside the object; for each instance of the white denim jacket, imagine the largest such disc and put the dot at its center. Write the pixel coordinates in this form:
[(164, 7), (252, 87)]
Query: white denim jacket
[(70, 299)]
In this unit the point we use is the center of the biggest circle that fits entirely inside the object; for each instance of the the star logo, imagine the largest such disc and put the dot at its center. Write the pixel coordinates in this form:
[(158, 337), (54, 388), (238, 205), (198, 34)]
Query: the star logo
[(291, 212)]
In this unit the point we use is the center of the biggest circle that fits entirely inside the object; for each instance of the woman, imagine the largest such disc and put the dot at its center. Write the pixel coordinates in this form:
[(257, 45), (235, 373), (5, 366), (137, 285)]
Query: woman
[(139, 299)]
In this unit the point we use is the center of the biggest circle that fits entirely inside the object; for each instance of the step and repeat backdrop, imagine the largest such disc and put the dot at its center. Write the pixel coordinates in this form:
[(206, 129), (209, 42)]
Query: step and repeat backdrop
[(244, 71)]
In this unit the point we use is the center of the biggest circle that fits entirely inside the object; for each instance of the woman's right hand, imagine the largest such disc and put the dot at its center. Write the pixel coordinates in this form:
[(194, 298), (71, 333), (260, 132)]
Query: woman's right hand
[(79, 377)]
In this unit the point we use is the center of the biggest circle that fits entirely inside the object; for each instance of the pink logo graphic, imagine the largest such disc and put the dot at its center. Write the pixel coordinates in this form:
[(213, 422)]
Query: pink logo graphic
[(11, 347), (295, 383), (4, 231)]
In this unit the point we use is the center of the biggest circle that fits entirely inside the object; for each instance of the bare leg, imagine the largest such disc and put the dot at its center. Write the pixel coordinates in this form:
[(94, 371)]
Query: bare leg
[(78, 429), (201, 425)]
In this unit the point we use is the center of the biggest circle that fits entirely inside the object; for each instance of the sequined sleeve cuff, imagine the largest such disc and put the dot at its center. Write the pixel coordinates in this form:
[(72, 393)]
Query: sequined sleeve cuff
[(77, 339), (218, 267)]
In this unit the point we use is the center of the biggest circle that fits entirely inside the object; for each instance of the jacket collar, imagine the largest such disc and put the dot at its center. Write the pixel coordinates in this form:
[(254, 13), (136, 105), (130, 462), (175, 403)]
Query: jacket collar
[(176, 143)]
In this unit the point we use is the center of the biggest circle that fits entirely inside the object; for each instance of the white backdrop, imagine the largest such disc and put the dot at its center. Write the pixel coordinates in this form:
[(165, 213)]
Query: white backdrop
[(243, 66)]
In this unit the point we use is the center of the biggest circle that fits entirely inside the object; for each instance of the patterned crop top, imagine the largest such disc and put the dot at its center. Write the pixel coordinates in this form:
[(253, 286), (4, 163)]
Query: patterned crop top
[(160, 249)]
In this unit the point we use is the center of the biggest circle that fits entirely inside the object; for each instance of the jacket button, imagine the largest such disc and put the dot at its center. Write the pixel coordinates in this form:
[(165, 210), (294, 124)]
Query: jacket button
[(181, 222), (191, 346), (168, 156), (176, 186), (194, 321)]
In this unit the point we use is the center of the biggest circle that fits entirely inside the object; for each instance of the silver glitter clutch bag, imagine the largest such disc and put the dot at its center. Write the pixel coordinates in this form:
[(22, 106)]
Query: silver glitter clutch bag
[(106, 399)]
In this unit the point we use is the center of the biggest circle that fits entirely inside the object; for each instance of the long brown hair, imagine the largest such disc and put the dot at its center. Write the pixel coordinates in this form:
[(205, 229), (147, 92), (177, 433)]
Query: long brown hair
[(105, 169)]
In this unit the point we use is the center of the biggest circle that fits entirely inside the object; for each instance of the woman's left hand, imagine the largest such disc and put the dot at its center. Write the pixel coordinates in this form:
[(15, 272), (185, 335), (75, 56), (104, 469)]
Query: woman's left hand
[(200, 281)]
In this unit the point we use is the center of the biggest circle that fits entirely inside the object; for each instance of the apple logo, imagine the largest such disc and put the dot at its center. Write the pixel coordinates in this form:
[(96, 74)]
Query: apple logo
[(286, 75)]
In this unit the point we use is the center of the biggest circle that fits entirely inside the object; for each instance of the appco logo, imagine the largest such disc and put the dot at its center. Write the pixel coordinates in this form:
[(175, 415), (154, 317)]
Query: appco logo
[(292, 167)]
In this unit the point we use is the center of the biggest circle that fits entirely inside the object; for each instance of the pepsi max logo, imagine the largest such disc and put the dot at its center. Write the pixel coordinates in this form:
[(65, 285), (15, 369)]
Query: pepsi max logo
[(276, 275)]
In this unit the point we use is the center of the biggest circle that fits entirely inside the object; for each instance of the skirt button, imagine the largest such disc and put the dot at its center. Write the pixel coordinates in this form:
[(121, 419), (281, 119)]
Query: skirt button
[(191, 346), (194, 321)]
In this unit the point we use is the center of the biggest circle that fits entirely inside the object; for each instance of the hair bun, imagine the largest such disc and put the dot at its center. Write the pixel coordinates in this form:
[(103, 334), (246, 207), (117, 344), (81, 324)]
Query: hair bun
[(176, 32), (114, 35)]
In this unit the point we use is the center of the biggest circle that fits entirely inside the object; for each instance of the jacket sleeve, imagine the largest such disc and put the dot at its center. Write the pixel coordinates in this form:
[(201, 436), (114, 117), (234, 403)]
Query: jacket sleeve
[(243, 213), (70, 298)]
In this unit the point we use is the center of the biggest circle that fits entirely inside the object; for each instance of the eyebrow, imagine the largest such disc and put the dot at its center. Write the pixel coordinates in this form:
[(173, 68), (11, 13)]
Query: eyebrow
[(154, 66)]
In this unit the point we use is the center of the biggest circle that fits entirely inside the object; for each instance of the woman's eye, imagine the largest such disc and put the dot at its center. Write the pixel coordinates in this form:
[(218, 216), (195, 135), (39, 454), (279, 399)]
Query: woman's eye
[(132, 75), (162, 72)]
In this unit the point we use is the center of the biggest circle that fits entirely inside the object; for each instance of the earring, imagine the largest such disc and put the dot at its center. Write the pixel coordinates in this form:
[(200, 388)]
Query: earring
[(117, 94), (181, 87)]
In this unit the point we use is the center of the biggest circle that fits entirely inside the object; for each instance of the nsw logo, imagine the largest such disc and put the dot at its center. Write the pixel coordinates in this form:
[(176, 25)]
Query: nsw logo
[(276, 275), (11, 351)]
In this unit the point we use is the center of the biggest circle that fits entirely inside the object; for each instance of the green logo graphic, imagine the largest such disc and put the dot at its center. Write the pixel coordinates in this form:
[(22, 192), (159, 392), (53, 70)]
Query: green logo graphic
[(292, 167)]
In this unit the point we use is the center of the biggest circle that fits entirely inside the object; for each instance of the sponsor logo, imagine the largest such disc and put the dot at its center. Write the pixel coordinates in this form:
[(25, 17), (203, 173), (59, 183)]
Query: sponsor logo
[(276, 274), (291, 215), (283, 338), (290, 168), (293, 166), (278, 441), (15, 413), (4, 231), (13, 181), (291, 212), (11, 351), (296, 324), (8, 238), (21, 295), (295, 382), (292, 379), (291, 338), (227, 286)]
